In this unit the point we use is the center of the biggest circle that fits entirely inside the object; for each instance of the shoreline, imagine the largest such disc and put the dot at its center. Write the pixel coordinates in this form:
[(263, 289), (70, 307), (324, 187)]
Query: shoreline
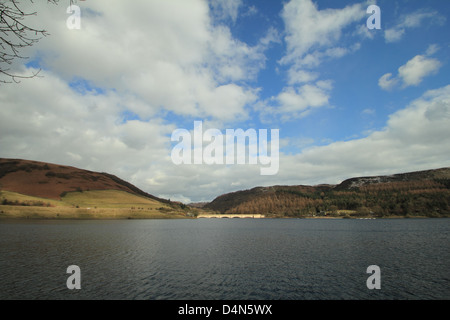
[(68, 213), (164, 216), (10, 212)]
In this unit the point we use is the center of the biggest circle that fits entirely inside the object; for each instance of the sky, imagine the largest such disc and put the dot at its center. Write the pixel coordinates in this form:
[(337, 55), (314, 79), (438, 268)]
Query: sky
[(347, 100)]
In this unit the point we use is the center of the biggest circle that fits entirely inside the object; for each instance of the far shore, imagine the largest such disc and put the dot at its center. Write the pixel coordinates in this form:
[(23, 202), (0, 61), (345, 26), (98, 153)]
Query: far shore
[(60, 213), (65, 213)]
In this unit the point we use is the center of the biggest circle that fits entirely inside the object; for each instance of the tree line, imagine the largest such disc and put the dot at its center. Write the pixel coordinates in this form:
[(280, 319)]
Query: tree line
[(429, 198)]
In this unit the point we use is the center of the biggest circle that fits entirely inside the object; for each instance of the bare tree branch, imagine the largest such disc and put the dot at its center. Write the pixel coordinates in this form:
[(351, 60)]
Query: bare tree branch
[(15, 35)]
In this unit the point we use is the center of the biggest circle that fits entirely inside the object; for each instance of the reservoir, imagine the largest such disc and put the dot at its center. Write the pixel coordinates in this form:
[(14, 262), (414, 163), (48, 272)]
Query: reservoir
[(226, 259)]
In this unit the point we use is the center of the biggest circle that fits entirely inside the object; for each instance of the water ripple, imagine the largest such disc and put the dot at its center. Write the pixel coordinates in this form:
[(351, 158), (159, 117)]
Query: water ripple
[(231, 259)]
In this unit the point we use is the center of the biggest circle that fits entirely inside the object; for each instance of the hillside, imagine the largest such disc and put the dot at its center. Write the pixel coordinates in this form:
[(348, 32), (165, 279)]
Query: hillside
[(44, 190), (38, 189), (423, 193), (52, 181)]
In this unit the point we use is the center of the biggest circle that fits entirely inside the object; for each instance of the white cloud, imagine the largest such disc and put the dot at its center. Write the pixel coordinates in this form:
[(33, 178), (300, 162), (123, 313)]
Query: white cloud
[(309, 28), (409, 21), (364, 32), (168, 55), (432, 49), (393, 35), (226, 9), (413, 72), (301, 76), (311, 35), (226, 102), (386, 82), (297, 102), (53, 123), (415, 138), (305, 97), (416, 69)]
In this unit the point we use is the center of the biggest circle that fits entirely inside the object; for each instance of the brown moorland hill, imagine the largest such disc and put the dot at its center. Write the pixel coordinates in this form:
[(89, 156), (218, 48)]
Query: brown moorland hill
[(52, 181), (422, 193)]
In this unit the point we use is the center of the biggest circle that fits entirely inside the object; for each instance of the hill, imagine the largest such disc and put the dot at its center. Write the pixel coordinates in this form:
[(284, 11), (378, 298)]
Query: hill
[(51, 181), (38, 189), (33, 189), (422, 193)]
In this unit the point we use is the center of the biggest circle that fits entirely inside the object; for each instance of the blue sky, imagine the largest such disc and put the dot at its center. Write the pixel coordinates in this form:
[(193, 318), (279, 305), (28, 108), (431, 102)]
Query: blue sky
[(348, 101), (357, 104)]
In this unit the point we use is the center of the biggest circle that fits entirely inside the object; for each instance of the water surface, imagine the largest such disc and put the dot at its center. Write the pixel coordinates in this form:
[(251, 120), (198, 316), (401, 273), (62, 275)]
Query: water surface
[(225, 259)]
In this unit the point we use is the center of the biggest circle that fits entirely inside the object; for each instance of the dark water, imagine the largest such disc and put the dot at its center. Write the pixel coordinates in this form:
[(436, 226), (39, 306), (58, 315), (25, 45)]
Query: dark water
[(226, 259)]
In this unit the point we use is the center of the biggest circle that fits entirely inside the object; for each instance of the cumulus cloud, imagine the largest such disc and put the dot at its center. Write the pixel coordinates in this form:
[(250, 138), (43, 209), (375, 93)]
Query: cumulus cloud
[(393, 35), (387, 82), (307, 27), (301, 76), (311, 36), (413, 72), (295, 102), (53, 123), (168, 54), (416, 69), (415, 138), (299, 100)]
